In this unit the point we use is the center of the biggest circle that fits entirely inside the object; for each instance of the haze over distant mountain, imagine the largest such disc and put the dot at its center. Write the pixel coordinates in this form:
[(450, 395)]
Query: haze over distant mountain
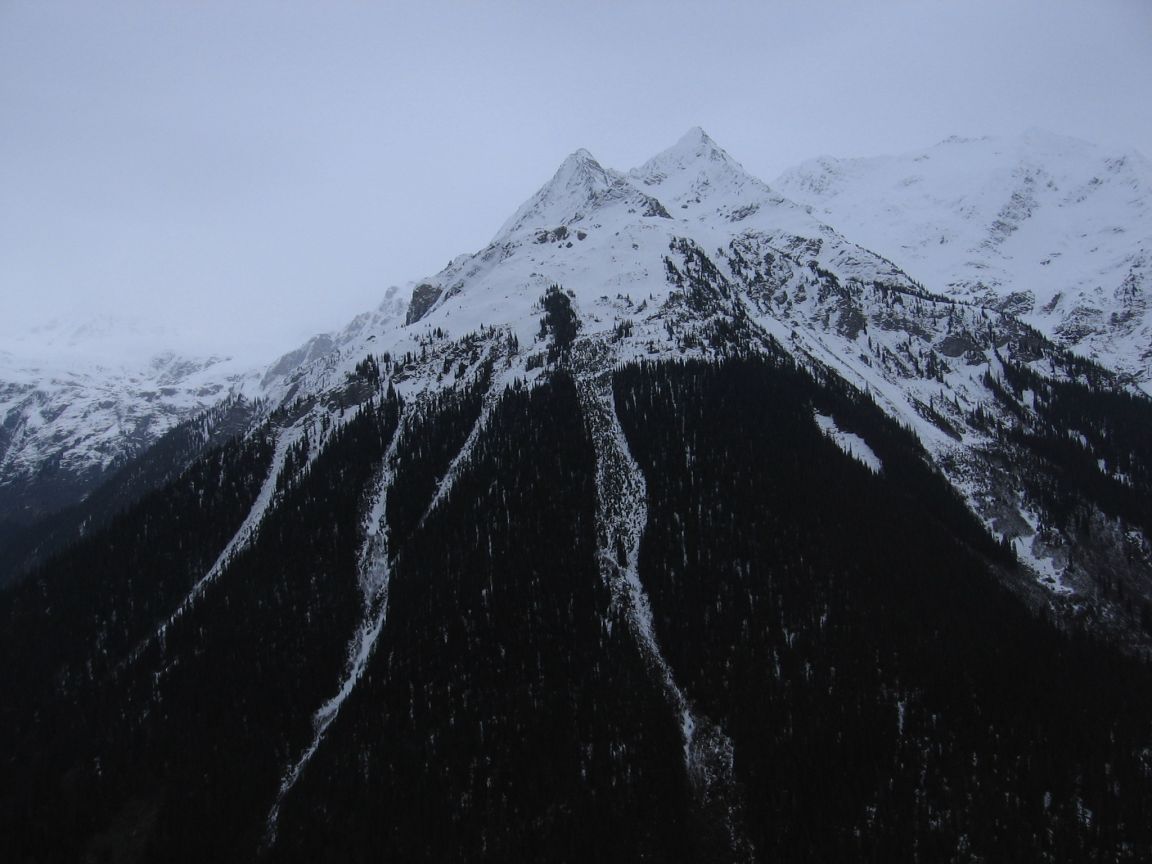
[(81, 396), (1055, 230), (78, 397)]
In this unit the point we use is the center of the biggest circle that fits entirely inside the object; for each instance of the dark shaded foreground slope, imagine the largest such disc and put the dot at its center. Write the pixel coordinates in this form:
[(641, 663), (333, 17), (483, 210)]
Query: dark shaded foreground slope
[(887, 699), (883, 696)]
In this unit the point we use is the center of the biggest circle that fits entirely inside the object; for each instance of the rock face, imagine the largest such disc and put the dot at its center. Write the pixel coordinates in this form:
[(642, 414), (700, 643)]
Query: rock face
[(424, 297), (1053, 230)]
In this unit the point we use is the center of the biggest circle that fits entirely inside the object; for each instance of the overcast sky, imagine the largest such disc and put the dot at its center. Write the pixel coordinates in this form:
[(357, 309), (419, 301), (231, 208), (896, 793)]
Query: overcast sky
[(249, 173)]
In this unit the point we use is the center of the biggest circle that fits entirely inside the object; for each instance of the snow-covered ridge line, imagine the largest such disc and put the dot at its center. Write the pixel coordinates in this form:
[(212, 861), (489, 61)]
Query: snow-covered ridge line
[(87, 413), (621, 516)]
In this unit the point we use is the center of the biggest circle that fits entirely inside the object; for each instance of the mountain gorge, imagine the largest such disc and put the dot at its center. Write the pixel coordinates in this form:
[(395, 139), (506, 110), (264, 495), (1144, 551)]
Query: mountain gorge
[(671, 525)]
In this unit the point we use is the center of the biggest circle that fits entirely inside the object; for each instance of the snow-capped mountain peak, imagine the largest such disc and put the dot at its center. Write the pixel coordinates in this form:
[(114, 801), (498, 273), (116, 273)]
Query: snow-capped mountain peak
[(694, 170), (574, 188), (600, 232), (695, 146)]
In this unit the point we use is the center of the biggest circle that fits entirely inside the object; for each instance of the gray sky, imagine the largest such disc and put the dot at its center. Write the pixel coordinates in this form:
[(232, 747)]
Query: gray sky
[(249, 173)]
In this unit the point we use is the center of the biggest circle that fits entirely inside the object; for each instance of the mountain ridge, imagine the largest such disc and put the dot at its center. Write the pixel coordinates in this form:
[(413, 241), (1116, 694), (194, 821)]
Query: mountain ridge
[(1053, 229)]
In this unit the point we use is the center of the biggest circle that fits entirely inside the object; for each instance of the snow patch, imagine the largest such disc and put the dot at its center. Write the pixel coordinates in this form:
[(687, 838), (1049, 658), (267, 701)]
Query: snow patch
[(240, 541), (621, 516), (374, 571), (1047, 564), (374, 574), (850, 443)]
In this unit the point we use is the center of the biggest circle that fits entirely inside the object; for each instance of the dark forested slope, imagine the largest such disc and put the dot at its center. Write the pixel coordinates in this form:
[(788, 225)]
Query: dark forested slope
[(835, 641)]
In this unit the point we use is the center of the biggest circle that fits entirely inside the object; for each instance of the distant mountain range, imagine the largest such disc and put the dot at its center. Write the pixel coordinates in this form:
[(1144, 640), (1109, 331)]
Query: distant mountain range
[(1053, 230)]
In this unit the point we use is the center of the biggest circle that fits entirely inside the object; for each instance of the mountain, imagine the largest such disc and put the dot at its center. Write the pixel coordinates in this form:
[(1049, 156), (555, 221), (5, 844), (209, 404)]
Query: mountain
[(95, 413), (671, 525), (1054, 230), (737, 250), (79, 398)]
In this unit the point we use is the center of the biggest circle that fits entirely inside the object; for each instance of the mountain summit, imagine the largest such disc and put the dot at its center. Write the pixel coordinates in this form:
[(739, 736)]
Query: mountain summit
[(693, 169), (576, 186)]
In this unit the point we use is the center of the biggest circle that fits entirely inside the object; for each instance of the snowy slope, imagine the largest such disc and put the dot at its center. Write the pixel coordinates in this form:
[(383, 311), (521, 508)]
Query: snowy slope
[(1052, 229)]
